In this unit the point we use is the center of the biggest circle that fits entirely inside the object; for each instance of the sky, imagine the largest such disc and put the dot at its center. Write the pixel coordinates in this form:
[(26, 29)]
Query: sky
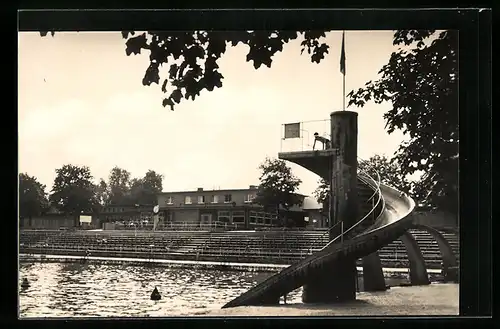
[(82, 102)]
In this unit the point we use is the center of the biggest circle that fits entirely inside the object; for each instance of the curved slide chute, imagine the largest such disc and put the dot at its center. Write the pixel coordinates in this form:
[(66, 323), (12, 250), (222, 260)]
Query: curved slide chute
[(362, 239)]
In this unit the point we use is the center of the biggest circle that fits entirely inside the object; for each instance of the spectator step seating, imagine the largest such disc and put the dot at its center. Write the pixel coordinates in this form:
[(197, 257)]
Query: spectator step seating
[(394, 254), (275, 247), (117, 245)]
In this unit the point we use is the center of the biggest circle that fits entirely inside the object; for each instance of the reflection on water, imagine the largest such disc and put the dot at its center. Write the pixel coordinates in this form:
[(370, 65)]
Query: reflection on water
[(70, 289), (67, 290)]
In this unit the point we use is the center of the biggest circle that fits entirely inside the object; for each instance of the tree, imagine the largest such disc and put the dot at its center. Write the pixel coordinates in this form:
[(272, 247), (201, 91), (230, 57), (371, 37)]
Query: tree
[(199, 51), (152, 185), (136, 191), (388, 169), (322, 193), (118, 186), (278, 186), (33, 199), (153, 182), (123, 190), (73, 191), (146, 189), (102, 193), (421, 84)]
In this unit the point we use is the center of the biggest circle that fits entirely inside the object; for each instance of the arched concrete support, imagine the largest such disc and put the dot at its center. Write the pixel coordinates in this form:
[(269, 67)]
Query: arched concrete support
[(418, 270), (373, 276), (448, 256)]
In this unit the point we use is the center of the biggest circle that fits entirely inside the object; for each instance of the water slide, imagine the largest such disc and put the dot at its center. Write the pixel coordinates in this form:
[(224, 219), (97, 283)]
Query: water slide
[(387, 221)]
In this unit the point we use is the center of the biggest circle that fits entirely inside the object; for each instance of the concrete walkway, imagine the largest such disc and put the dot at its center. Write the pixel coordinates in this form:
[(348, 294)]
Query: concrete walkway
[(434, 299)]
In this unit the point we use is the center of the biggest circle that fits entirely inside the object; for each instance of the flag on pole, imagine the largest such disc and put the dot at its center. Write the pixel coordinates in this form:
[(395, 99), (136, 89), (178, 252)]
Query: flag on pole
[(292, 130), (342, 56)]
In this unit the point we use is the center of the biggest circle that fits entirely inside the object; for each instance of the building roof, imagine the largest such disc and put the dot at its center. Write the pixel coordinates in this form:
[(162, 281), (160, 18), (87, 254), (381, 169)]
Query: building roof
[(198, 191), (310, 203), (250, 188)]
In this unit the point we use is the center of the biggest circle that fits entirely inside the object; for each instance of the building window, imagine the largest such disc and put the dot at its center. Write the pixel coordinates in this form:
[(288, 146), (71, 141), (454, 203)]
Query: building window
[(201, 199), (263, 218), (228, 198), (187, 199), (253, 217), (170, 217), (224, 216), (238, 217), (249, 198), (170, 200), (215, 199)]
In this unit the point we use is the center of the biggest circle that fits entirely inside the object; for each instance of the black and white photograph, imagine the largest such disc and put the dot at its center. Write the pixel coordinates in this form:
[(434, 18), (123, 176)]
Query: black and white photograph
[(206, 173)]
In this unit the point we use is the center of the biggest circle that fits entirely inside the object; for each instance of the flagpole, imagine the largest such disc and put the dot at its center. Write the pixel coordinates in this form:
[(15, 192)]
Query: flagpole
[(343, 80), (343, 90)]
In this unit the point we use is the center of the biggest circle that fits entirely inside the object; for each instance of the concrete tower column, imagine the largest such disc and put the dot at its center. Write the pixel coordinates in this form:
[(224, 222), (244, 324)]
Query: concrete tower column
[(337, 282), (344, 173)]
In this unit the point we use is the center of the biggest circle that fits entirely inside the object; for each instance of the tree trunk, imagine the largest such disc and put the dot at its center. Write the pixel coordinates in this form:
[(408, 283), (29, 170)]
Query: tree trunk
[(278, 216), (77, 219)]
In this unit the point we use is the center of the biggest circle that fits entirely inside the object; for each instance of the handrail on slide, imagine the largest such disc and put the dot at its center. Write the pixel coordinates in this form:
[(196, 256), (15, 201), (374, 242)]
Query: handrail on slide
[(367, 179)]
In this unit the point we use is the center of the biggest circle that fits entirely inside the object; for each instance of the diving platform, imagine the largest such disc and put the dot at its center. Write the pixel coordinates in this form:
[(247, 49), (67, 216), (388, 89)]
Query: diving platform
[(306, 154), (317, 161)]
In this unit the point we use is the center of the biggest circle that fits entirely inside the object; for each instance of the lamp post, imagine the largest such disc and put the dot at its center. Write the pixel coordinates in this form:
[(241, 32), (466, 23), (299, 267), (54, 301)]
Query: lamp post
[(156, 210), (137, 206)]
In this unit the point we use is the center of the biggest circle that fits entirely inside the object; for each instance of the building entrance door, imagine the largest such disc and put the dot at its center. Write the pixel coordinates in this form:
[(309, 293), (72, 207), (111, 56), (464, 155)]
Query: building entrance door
[(206, 219)]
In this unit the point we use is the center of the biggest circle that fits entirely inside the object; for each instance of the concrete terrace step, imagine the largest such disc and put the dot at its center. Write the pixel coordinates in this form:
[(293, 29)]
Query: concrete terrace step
[(289, 245)]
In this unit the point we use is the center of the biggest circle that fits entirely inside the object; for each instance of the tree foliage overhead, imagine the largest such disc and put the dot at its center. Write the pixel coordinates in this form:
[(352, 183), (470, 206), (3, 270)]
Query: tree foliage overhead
[(33, 199), (388, 169), (199, 52), (420, 81), (278, 186), (73, 191)]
